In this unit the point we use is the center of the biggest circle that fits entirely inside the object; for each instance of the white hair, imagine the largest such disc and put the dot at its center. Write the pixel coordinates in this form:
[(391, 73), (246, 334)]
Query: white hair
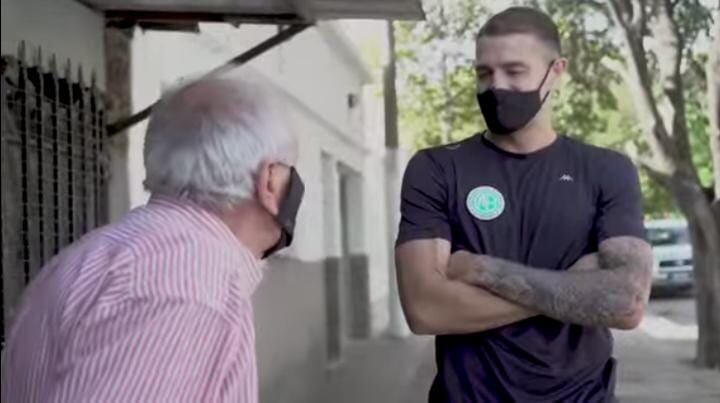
[(206, 140)]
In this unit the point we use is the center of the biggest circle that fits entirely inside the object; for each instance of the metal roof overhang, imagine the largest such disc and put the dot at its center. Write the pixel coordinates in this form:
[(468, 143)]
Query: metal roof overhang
[(294, 15), (184, 14)]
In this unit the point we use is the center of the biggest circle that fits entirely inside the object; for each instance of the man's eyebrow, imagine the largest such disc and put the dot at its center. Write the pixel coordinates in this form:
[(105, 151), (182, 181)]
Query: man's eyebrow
[(510, 65), (506, 65)]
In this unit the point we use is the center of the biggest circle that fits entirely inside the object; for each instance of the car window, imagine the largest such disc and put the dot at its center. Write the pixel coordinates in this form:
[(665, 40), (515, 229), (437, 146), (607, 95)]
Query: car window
[(667, 236)]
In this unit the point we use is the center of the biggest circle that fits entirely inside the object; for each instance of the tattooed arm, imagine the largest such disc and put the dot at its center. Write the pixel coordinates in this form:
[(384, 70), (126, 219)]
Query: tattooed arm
[(614, 294)]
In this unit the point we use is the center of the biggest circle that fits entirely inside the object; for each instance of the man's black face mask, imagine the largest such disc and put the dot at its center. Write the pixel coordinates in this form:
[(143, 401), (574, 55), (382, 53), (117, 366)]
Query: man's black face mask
[(507, 111), (287, 213)]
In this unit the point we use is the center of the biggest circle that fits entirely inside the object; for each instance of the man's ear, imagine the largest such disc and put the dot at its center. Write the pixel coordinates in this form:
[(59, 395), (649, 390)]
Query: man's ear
[(559, 68), (266, 188)]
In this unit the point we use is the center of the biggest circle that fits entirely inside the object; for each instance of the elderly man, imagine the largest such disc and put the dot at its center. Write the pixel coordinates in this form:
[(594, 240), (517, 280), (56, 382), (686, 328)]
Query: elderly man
[(156, 307)]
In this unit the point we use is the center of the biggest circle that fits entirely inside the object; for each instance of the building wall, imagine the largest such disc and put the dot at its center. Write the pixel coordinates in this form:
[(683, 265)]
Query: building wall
[(291, 330), (331, 285), (65, 28), (69, 31)]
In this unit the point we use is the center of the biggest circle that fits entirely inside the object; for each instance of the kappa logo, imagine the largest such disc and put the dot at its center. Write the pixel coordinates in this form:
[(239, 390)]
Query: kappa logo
[(566, 178)]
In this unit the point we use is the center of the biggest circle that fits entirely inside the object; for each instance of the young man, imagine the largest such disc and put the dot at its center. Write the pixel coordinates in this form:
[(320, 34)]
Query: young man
[(520, 248), (156, 307)]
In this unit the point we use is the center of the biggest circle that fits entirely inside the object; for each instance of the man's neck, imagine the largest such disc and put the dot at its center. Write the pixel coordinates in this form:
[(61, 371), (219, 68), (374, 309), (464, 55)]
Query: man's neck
[(249, 227), (526, 140)]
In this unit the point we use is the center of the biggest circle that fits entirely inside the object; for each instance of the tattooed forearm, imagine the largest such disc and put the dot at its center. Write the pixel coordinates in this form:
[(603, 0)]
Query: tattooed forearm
[(614, 295)]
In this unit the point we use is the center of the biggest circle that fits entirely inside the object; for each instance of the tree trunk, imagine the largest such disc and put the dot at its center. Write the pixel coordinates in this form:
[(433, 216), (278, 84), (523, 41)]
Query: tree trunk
[(707, 279), (392, 137), (708, 287), (670, 161), (713, 92), (704, 225)]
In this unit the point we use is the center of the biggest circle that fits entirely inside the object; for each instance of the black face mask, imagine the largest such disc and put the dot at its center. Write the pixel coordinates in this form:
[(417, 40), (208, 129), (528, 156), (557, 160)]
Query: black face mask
[(508, 111), (288, 213)]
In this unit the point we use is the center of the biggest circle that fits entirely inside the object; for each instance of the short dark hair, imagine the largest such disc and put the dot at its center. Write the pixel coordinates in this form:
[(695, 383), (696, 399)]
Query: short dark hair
[(523, 20)]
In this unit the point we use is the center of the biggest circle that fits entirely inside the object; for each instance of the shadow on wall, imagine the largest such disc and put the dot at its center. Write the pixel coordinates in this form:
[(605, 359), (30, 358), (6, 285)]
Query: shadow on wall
[(290, 329), (304, 314)]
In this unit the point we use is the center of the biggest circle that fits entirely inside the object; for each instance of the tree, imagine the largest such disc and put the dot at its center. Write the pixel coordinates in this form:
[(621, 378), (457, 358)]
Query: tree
[(640, 81), (438, 108), (436, 80), (653, 70), (652, 47), (596, 105)]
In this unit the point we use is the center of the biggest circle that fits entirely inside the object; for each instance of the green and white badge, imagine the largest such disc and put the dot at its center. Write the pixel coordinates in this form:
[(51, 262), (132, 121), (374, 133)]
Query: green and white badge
[(485, 203)]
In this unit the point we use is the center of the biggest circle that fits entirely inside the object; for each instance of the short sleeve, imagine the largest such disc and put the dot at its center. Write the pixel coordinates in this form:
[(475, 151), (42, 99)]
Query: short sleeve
[(423, 201), (620, 199)]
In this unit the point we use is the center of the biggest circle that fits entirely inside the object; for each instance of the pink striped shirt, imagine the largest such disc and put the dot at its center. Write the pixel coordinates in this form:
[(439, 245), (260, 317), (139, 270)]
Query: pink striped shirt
[(155, 308)]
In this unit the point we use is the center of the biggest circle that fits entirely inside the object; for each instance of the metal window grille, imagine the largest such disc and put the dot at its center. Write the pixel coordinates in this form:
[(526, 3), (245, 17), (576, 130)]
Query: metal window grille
[(53, 167)]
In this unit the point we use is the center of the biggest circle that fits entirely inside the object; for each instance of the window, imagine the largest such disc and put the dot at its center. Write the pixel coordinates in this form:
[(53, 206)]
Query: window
[(53, 166), (668, 236)]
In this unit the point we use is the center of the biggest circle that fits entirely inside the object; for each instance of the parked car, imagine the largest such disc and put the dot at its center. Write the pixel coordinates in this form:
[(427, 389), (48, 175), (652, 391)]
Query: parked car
[(672, 252)]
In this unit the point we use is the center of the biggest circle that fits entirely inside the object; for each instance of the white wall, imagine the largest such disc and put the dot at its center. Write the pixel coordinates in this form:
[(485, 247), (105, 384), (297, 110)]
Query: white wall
[(305, 72), (65, 28), (313, 73)]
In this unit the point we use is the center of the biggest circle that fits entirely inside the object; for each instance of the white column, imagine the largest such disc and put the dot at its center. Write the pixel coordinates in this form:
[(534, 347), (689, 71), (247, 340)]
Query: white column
[(395, 162), (331, 207)]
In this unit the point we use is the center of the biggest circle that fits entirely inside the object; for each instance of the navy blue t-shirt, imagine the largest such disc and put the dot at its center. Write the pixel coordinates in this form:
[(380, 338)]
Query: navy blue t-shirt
[(546, 210)]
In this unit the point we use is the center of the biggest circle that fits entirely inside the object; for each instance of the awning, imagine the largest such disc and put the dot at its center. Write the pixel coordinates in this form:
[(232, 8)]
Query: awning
[(293, 15), (184, 14)]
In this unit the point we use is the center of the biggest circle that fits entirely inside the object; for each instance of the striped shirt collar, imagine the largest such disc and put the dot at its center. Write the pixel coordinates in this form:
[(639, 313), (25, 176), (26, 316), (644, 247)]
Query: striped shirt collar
[(208, 220)]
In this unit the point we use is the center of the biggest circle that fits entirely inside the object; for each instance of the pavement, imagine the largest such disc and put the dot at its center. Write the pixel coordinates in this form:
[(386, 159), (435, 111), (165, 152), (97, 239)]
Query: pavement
[(383, 370), (656, 359), (655, 370), (655, 365)]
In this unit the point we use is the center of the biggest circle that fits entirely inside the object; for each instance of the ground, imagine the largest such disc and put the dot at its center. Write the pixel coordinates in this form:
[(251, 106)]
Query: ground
[(655, 363)]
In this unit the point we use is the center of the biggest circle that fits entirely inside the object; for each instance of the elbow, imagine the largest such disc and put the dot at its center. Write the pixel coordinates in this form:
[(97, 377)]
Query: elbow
[(420, 328), (419, 324), (420, 320), (631, 317), (629, 306), (629, 322)]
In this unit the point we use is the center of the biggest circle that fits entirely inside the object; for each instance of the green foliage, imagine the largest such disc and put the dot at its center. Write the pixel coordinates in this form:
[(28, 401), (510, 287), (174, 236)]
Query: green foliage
[(697, 117), (438, 105), (603, 101), (436, 79), (587, 98)]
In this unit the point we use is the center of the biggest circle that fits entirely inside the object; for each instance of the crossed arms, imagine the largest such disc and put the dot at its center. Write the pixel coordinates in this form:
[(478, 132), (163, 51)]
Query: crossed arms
[(465, 293)]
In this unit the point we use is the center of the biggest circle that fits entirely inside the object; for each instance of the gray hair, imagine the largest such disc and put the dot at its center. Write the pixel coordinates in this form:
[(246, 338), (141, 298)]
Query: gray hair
[(206, 140)]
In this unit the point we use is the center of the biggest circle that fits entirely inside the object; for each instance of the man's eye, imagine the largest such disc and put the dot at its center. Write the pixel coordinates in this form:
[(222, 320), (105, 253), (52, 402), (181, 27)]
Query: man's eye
[(515, 72)]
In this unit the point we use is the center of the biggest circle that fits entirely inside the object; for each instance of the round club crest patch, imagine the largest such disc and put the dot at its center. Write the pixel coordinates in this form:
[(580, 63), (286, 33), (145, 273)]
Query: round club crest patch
[(485, 203)]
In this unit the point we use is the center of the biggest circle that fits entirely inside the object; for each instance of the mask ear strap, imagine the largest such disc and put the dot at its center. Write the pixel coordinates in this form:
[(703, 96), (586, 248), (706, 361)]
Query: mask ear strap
[(547, 73), (547, 94)]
